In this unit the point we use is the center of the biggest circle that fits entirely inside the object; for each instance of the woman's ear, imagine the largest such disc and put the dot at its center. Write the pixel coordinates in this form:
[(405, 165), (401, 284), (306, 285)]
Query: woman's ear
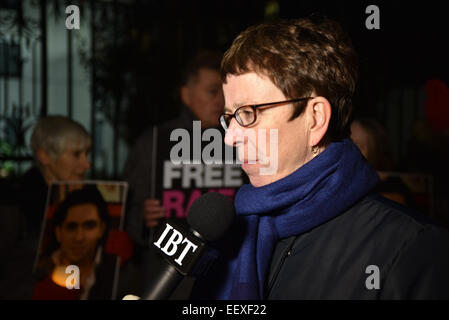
[(43, 157), (319, 111), (185, 95)]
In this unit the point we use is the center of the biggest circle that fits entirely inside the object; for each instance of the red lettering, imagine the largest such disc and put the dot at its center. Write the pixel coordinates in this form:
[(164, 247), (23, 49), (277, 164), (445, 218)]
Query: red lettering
[(173, 200)]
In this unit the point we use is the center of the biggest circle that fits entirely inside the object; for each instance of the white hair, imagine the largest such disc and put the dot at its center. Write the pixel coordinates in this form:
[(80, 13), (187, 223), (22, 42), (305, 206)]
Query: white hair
[(54, 133)]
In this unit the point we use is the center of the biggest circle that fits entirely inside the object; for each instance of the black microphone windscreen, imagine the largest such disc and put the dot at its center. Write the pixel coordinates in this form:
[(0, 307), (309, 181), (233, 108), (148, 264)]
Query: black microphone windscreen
[(211, 215)]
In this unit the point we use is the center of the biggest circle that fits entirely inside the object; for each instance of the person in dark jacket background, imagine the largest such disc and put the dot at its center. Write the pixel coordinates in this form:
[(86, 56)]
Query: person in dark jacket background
[(309, 225), (201, 96)]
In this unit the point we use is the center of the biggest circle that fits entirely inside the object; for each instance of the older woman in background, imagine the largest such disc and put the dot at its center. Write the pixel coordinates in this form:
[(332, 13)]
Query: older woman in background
[(60, 147)]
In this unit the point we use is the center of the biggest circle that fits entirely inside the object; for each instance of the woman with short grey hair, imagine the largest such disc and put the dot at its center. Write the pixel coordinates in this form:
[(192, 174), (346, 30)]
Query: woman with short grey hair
[(60, 147)]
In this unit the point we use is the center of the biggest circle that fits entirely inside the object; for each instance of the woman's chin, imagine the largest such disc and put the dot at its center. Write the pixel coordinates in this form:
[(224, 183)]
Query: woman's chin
[(254, 174), (251, 168), (259, 181)]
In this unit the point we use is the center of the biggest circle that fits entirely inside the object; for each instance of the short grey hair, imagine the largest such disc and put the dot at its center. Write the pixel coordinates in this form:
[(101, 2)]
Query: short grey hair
[(53, 133)]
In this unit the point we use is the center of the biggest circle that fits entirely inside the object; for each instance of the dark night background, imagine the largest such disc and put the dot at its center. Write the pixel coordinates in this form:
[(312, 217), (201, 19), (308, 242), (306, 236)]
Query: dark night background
[(409, 48)]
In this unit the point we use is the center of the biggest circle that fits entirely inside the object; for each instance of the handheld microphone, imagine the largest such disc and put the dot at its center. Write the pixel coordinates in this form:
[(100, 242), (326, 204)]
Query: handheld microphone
[(184, 247)]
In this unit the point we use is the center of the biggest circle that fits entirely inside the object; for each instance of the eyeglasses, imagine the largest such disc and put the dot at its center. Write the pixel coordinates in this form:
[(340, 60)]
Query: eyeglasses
[(247, 115)]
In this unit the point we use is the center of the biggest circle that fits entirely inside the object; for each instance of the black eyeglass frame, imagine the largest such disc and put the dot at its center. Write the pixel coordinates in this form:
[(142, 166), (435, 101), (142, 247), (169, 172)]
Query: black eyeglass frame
[(254, 107)]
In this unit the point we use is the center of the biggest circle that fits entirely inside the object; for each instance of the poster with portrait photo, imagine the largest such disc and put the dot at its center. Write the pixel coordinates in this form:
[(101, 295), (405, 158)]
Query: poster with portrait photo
[(73, 261)]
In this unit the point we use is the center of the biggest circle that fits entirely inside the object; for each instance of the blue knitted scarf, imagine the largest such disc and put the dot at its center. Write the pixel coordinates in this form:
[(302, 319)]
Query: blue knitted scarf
[(320, 190)]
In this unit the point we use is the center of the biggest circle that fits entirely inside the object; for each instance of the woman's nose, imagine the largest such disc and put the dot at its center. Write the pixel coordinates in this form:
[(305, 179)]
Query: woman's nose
[(85, 162), (232, 133), (79, 234)]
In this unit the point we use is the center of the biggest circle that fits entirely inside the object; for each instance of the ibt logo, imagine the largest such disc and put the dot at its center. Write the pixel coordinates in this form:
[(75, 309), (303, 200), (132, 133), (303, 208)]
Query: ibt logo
[(176, 240), (171, 247)]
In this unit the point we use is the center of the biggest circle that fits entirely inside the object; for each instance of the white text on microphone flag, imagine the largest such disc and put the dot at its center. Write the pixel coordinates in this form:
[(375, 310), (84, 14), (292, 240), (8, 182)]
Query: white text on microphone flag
[(176, 239)]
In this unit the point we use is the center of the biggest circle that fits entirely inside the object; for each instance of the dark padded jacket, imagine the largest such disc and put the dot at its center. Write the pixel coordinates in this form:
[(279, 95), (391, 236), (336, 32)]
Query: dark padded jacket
[(377, 249)]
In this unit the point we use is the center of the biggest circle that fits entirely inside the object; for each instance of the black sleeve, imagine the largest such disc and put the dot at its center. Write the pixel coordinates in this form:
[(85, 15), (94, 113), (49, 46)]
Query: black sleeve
[(421, 269), (137, 173)]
